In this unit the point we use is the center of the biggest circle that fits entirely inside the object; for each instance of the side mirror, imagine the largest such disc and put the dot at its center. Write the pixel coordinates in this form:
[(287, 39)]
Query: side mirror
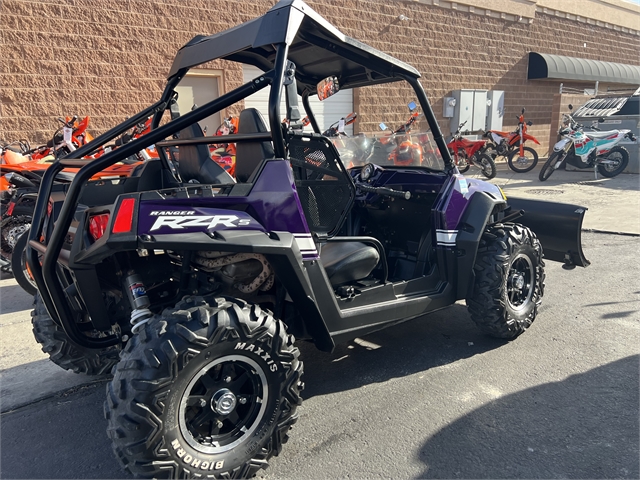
[(570, 107), (601, 120), (382, 126), (529, 123), (522, 109), (412, 106), (327, 87)]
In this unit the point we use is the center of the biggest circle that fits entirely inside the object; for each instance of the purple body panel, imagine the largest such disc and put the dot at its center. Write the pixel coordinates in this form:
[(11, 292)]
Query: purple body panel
[(451, 208), (272, 205)]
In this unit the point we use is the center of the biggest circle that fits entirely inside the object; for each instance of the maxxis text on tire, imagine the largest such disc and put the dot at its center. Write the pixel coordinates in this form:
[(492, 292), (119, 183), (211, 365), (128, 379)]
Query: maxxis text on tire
[(486, 165), (509, 281), (62, 351), (162, 407), (549, 166), (513, 164), (624, 153), (18, 265)]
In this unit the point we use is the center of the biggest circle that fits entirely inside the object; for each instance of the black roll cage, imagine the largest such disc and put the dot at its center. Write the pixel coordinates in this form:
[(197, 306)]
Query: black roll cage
[(45, 275)]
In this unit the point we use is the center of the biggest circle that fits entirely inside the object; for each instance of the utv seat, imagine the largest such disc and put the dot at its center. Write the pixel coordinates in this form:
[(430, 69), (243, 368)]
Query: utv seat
[(347, 262), (195, 162), (250, 155)]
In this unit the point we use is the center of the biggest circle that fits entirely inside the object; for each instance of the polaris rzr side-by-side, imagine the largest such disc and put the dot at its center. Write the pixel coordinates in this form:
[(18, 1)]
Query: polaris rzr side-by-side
[(191, 285)]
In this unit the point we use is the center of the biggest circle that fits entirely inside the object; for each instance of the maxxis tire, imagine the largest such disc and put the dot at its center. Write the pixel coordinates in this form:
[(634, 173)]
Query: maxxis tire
[(62, 351), (623, 164), (486, 165), (515, 153), (504, 250), (18, 265), (150, 421), (549, 167)]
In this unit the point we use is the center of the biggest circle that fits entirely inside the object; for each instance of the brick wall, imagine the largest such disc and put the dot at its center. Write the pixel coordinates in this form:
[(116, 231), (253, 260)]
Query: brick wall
[(108, 59)]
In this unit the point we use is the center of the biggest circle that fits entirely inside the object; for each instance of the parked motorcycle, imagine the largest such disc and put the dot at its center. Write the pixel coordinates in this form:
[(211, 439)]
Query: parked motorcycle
[(521, 159), (399, 146), (469, 152), (597, 150)]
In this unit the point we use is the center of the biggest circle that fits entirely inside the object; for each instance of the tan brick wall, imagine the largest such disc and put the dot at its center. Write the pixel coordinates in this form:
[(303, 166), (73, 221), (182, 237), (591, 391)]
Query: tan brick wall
[(108, 58)]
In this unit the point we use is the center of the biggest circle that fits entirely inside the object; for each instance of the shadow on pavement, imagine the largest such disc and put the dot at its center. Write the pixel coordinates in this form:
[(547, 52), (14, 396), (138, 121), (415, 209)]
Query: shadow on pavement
[(433, 340), (72, 432), (583, 427), (14, 299)]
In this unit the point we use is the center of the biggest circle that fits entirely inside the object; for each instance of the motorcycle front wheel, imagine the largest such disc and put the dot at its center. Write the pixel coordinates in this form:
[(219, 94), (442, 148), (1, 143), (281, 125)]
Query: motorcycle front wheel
[(461, 162), (617, 160), (524, 163), (487, 165), (550, 165)]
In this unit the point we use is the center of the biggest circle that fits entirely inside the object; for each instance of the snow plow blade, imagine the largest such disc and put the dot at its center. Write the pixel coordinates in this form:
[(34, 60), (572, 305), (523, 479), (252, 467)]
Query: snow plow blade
[(557, 225)]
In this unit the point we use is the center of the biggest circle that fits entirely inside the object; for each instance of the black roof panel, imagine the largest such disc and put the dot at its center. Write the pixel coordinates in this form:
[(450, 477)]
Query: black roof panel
[(316, 47)]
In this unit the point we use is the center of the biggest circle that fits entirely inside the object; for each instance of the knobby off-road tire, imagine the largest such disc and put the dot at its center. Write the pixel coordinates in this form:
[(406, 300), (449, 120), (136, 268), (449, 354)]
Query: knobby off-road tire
[(65, 353), (487, 165), (509, 281), (208, 389), (19, 265), (549, 166), (619, 154), (514, 156)]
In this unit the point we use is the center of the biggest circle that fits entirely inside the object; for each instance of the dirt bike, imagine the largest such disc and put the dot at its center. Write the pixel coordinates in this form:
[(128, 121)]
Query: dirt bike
[(597, 150), (467, 152), (521, 159), (398, 147)]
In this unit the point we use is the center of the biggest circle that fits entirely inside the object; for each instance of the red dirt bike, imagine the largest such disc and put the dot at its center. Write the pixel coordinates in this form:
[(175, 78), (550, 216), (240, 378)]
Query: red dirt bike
[(470, 152), (521, 159)]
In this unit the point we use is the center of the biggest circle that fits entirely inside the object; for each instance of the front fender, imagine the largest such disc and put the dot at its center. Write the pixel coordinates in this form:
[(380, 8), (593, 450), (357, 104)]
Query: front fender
[(532, 138)]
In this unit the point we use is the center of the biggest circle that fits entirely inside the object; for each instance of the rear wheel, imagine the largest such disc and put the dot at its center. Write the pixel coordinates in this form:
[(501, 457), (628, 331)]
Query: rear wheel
[(509, 281), (19, 265), (550, 165), (616, 161), (208, 389), (62, 351), (524, 163)]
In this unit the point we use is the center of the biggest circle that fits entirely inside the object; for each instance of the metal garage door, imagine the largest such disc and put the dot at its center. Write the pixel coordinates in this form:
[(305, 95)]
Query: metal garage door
[(327, 112)]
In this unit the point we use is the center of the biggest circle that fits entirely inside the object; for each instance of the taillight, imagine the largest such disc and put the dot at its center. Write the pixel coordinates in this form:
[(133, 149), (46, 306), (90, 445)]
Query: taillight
[(98, 225), (124, 216), (12, 205)]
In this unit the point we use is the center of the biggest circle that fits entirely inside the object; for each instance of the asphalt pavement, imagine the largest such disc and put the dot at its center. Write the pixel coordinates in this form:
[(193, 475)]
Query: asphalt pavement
[(431, 398)]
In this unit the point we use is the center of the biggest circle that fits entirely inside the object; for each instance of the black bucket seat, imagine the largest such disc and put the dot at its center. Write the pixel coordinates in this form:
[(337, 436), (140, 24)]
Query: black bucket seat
[(250, 155), (195, 163), (347, 262)]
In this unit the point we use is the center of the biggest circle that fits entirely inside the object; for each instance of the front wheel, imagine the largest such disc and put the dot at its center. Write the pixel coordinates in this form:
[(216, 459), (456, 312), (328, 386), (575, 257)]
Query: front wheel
[(208, 389), (461, 161), (487, 165), (524, 163), (509, 281), (614, 163), (553, 163)]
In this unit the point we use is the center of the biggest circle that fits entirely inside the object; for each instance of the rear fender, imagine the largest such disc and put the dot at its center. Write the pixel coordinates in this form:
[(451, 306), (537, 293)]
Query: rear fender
[(558, 226)]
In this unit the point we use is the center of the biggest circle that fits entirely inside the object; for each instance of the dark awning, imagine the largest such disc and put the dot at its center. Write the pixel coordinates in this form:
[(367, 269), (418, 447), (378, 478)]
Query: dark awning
[(544, 65)]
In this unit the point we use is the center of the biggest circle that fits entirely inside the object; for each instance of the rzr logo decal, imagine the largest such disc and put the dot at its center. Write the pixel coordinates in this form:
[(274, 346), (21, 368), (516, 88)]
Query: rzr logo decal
[(187, 219)]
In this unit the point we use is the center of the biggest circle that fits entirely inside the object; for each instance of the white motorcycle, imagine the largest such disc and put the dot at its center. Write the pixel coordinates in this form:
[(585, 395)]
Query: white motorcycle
[(597, 149)]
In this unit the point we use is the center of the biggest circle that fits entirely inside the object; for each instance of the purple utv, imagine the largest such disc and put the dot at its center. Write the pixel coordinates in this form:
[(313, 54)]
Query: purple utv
[(192, 284)]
